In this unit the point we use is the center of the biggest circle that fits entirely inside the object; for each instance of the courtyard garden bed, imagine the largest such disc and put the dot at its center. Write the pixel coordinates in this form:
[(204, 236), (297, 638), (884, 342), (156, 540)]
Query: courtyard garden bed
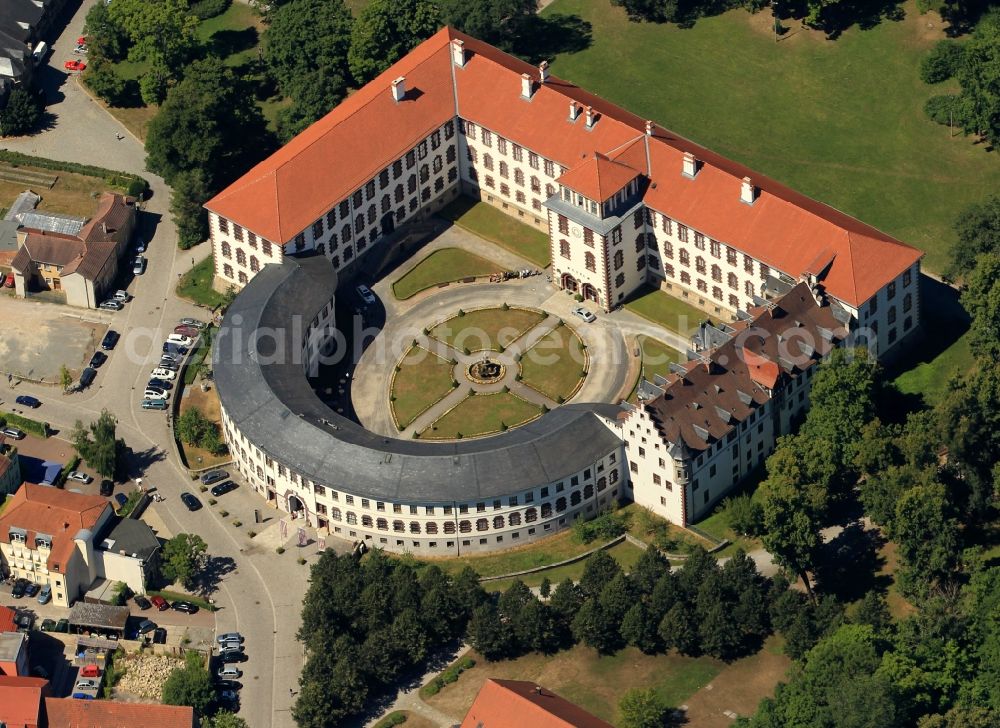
[(482, 414), (556, 365), (662, 308), (491, 329), (500, 228), (421, 379), (442, 266)]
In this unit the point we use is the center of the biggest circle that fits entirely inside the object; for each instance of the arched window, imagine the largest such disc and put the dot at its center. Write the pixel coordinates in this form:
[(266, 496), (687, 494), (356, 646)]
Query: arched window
[(560, 505), (414, 527), (531, 515), (381, 524), (431, 528), (546, 510), (449, 527), (619, 259), (515, 519), (482, 524), (590, 261), (733, 281), (716, 272), (352, 518), (227, 251), (503, 170), (488, 161), (465, 526), (254, 263), (243, 277), (241, 256), (335, 514), (602, 483), (564, 248), (699, 264), (574, 498), (588, 490), (497, 521), (227, 270), (398, 526), (613, 476), (748, 287), (684, 257)]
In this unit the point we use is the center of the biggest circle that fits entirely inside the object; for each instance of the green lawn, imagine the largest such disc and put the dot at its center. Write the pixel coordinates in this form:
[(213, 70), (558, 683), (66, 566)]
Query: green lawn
[(488, 222), (839, 120), (441, 266), (662, 308), (657, 357), (233, 35), (196, 285), (482, 414), (422, 380), (486, 328), (624, 553), (198, 357), (555, 365)]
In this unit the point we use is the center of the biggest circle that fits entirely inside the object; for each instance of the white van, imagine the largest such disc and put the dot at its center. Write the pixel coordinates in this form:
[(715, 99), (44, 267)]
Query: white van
[(179, 339), (41, 50), (154, 394), (161, 373)]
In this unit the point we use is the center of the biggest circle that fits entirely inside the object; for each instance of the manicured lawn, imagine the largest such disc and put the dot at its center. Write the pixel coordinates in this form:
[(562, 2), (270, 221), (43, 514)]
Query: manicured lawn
[(662, 308), (490, 223), (202, 351), (196, 285), (423, 379), (487, 328), (555, 365), (233, 35), (595, 683), (809, 112), (481, 414), (624, 553), (717, 525), (657, 357), (441, 266)]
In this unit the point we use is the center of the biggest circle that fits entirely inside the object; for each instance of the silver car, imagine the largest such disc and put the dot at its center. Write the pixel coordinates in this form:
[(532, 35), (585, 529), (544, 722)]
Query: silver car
[(584, 314)]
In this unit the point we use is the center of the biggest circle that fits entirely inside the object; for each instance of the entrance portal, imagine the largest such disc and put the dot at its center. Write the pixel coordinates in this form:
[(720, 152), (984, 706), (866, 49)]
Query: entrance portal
[(570, 283)]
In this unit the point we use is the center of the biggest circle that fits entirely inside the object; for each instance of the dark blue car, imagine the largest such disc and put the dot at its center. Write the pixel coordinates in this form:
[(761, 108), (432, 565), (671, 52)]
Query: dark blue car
[(121, 499), (28, 401)]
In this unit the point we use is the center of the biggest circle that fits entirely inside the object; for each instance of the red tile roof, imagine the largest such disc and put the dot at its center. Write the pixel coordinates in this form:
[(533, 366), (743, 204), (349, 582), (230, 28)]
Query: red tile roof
[(286, 193), (598, 178), (54, 512), (520, 704), (70, 713), (7, 623), (21, 701)]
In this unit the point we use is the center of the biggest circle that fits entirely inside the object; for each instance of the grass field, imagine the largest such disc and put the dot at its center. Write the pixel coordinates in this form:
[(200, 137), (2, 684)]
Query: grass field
[(486, 328), (595, 683), (441, 266), (657, 357), (481, 414), (811, 113), (666, 310), (423, 379), (233, 35), (72, 194), (624, 553), (555, 365), (196, 284), (488, 222)]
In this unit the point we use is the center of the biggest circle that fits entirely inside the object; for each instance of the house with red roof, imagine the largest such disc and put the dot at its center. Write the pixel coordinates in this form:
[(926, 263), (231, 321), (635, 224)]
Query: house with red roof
[(22, 701), (519, 704), (626, 202)]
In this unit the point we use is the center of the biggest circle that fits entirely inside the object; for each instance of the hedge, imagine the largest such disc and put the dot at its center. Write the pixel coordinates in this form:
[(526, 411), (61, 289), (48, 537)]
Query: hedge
[(397, 717), (447, 677), (133, 184), (205, 9), (23, 423), (172, 596), (68, 468)]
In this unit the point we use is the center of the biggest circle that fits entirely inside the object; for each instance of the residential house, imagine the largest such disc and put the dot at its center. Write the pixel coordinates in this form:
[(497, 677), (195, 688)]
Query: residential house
[(520, 704)]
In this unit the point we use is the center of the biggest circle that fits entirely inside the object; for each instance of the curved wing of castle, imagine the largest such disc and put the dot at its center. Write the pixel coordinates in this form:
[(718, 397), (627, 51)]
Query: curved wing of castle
[(625, 203)]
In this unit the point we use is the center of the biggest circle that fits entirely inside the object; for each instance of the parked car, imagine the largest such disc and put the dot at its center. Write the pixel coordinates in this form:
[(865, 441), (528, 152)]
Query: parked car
[(90, 671), (193, 322), (31, 589), (228, 656), (109, 340), (9, 281), (17, 589), (163, 373), (107, 487), (139, 266), (228, 685), (26, 400), (159, 602), (160, 384), (62, 626), (142, 602), (121, 499), (86, 684), (146, 626), (45, 595), (172, 358), (155, 394), (229, 637), (111, 305), (213, 476), (97, 359), (140, 245), (584, 314), (79, 477), (75, 66), (230, 697), (180, 340), (190, 331), (13, 433), (83, 696), (186, 607), (229, 672), (192, 503), (25, 621), (230, 646), (159, 636), (87, 377), (123, 296), (174, 349), (223, 488), (365, 294), (48, 625), (168, 364), (154, 404)]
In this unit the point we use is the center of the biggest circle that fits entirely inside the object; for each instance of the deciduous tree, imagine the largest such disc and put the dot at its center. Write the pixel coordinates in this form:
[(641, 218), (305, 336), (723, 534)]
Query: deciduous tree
[(184, 559), (97, 443), (643, 709), (190, 685), (385, 31)]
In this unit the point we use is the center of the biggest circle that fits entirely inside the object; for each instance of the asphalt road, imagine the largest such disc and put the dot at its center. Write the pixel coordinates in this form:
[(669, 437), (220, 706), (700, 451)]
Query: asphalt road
[(256, 584)]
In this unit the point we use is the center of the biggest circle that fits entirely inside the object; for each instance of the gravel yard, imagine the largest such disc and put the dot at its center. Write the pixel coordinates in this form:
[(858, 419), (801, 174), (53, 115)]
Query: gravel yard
[(146, 673)]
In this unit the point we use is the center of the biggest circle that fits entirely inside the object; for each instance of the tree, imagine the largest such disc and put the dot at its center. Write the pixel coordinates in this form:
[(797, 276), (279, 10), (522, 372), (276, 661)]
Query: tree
[(941, 62), (104, 81), (595, 627), (161, 33), (97, 444), (22, 113), (792, 521), (225, 719), (385, 31), (979, 77), (874, 612), (981, 298), (314, 94), (65, 377), (928, 536), (499, 22), (190, 685), (306, 36), (643, 709), (978, 232), (639, 630), (678, 629), (105, 38), (545, 588), (488, 634), (600, 569), (184, 559), (209, 121), (192, 425)]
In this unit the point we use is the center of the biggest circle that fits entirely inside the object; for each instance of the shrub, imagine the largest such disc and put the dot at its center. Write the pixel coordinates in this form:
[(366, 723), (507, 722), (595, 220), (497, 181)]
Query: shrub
[(744, 515), (223, 513), (301, 561), (212, 501), (942, 62), (202, 488), (251, 533), (606, 526), (447, 677), (237, 523), (280, 550), (204, 9), (944, 109), (23, 423)]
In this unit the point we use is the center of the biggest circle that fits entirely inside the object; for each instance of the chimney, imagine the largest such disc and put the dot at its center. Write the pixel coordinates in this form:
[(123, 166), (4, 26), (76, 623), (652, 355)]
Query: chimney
[(574, 111), (690, 167), (543, 71), (590, 117), (748, 193), (526, 86), (399, 89), (649, 128), (458, 52)]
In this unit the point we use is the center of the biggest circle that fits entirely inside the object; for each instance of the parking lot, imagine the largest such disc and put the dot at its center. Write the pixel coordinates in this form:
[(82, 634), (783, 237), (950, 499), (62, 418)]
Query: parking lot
[(39, 338)]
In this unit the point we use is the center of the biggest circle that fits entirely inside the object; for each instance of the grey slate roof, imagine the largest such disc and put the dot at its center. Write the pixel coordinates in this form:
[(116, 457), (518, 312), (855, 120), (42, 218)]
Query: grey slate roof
[(52, 222), (276, 408), (132, 536)]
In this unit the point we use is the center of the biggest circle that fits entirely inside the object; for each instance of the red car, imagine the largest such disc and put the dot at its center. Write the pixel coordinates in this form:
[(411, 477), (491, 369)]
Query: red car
[(74, 65), (90, 671), (160, 603), (82, 40), (9, 282), (190, 331)]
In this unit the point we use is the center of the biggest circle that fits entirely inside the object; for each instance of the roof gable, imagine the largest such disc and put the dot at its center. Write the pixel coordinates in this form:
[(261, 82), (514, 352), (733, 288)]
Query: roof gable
[(598, 178)]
